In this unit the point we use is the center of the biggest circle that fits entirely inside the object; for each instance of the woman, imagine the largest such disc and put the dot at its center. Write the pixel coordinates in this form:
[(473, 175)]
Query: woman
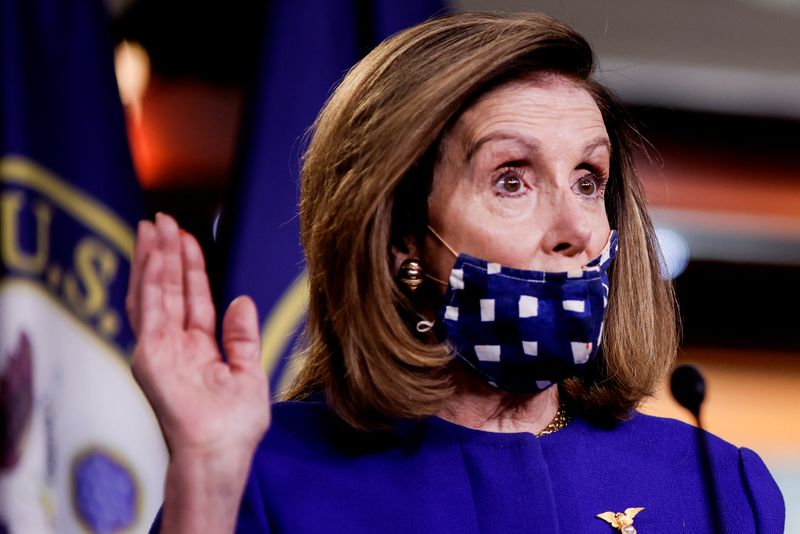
[(474, 229)]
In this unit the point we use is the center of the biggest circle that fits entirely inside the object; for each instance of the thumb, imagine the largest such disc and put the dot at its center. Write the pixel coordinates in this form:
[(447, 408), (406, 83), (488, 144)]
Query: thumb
[(240, 336)]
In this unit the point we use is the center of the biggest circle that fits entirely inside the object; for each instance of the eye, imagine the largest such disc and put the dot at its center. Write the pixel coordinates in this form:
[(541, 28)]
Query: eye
[(587, 186), (590, 185), (510, 183)]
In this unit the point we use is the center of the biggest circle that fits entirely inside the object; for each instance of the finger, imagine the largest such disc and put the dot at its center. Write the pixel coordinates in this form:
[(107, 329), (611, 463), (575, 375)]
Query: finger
[(151, 308), (199, 304), (145, 242), (169, 244), (240, 336)]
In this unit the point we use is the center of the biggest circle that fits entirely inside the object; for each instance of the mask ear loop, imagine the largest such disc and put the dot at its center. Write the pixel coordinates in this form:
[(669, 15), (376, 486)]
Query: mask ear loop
[(424, 325), (443, 242), (448, 247)]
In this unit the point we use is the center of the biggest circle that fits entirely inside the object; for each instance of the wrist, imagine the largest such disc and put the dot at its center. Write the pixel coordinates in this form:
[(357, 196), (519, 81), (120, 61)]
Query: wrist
[(204, 489)]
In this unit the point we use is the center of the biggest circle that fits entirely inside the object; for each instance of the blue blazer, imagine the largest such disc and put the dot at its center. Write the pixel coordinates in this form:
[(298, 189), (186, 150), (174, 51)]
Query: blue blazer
[(310, 474)]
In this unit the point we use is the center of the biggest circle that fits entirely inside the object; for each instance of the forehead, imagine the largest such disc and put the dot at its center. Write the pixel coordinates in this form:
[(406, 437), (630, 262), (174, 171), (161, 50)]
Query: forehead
[(551, 108)]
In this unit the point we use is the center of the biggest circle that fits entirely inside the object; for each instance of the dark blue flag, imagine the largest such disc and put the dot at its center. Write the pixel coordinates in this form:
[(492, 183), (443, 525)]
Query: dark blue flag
[(309, 45), (79, 447)]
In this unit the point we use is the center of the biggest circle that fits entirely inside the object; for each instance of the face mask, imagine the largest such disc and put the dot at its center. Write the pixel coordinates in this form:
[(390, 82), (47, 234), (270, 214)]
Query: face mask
[(525, 330)]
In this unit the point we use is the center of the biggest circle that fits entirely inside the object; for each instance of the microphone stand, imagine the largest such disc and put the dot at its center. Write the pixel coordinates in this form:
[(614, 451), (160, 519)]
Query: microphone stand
[(689, 389)]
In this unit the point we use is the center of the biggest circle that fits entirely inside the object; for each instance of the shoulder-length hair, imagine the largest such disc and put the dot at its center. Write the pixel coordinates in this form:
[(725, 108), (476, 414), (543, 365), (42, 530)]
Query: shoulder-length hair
[(365, 181)]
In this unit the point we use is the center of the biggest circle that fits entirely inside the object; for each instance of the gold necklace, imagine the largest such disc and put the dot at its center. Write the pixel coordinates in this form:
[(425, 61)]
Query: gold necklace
[(561, 419)]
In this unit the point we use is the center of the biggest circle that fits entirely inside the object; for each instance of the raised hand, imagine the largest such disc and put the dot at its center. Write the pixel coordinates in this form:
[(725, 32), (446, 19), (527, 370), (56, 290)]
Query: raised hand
[(211, 411)]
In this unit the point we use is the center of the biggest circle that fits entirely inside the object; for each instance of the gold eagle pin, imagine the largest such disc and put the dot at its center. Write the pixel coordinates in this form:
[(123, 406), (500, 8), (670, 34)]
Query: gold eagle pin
[(621, 521)]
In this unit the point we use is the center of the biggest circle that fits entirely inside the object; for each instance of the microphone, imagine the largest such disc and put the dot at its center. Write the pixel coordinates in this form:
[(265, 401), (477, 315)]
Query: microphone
[(689, 389)]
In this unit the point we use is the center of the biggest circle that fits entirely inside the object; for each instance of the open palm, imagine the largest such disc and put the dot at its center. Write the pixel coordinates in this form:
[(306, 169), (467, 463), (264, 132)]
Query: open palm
[(203, 403)]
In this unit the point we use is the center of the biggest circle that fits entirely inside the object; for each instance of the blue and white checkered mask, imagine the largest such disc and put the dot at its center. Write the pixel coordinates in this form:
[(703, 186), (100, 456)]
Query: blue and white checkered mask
[(525, 330)]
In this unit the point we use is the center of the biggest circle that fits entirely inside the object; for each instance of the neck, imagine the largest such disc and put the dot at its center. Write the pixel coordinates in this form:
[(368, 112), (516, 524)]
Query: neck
[(480, 406)]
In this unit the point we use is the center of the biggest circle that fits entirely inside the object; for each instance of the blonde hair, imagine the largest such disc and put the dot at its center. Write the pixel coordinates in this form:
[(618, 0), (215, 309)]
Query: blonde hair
[(365, 181)]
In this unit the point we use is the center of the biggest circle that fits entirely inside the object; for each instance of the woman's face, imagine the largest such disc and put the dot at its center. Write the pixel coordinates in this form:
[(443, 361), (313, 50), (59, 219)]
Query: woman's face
[(521, 178)]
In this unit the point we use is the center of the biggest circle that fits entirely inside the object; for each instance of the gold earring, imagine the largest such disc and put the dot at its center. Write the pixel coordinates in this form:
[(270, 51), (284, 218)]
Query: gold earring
[(411, 274)]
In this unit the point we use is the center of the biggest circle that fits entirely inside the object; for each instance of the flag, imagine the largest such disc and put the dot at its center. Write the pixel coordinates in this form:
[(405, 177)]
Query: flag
[(80, 449), (309, 45)]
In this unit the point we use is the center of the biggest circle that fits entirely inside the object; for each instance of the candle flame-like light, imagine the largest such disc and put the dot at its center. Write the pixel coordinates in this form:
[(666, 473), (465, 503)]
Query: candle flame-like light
[(132, 66)]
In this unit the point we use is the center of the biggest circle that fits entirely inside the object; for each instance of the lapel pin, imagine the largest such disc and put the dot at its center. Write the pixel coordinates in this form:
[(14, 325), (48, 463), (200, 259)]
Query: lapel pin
[(621, 521)]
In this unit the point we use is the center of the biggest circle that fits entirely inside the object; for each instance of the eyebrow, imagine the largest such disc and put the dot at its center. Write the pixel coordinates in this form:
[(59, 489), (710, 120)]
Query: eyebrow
[(528, 142), (597, 142), (500, 135)]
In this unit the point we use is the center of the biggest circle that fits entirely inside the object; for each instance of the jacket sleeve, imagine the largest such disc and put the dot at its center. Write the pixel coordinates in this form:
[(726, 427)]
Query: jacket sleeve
[(252, 514), (766, 499), (155, 528)]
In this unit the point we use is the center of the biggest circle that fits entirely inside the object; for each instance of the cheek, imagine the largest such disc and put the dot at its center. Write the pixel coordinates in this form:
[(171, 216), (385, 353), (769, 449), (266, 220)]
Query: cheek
[(452, 204), (485, 234), (510, 243), (601, 230)]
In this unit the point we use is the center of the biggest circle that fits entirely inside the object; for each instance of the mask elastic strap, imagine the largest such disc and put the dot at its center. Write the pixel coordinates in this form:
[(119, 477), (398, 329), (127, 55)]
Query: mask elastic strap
[(442, 241), (453, 252), (424, 326), (438, 281)]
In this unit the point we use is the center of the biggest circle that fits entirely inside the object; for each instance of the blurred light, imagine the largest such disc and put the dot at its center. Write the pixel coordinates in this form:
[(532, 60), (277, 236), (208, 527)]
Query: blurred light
[(674, 252), (215, 224), (132, 66)]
